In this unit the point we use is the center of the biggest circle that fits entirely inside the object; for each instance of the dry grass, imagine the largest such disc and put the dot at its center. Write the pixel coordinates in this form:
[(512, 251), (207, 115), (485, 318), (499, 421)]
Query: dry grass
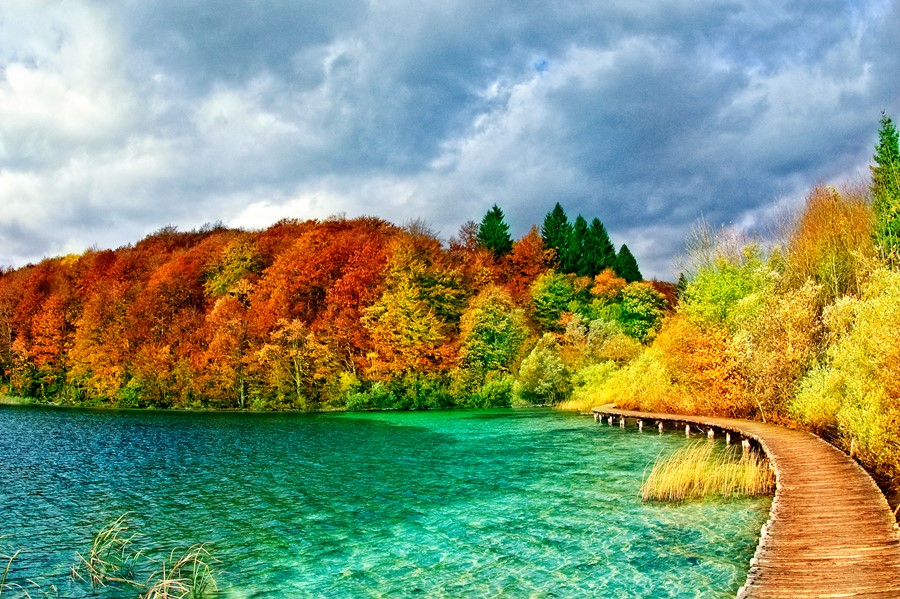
[(111, 558), (186, 577), (582, 403), (698, 471), (21, 592), (3, 577)]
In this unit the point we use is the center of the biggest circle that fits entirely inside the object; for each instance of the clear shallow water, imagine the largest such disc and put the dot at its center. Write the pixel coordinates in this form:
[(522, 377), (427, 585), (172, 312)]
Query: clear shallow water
[(461, 503)]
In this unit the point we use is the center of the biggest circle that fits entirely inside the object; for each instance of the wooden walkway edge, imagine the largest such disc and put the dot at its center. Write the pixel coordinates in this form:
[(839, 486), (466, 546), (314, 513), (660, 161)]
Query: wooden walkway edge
[(830, 531)]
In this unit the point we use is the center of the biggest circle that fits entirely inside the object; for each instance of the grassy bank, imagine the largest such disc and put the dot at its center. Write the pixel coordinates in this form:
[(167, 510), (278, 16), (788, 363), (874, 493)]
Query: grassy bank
[(11, 400)]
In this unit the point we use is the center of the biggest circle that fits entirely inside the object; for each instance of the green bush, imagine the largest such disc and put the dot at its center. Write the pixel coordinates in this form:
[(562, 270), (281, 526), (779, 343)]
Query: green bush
[(730, 290), (497, 392), (543, 377), (818, 401)]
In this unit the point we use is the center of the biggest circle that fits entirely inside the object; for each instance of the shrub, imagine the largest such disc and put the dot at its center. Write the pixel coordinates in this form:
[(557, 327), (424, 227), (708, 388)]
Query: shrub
[(543, 377), (831, 242), (645, 384), (730, 290), (818, 401), (706, 363), (861, 376), (779, 346), (585, 384), (497, 392)]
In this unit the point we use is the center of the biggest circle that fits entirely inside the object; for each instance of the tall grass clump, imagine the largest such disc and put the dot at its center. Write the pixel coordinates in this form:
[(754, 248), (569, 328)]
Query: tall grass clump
[(698, 471), (114, 558), (187, 576)]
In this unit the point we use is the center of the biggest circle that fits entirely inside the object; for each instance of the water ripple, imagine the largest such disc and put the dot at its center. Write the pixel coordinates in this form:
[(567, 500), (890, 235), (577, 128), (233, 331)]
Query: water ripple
[(435, 504)]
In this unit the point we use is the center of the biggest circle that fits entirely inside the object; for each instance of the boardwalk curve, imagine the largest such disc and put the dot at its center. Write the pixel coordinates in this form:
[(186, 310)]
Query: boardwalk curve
[(830, 531)]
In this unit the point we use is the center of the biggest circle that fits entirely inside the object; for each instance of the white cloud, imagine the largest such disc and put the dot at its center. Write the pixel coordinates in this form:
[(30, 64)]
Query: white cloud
[(63, 88), (116, 119)]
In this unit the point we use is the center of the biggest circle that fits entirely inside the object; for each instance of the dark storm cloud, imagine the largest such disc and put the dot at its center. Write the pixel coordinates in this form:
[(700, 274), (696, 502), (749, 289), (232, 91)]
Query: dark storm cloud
[(118, 118)]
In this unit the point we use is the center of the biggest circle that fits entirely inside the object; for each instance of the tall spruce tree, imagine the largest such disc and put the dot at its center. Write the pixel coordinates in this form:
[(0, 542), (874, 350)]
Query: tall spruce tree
[(578, 259), (493, 233), (556, 233), (601, 254), (626, 266), (886, 192)]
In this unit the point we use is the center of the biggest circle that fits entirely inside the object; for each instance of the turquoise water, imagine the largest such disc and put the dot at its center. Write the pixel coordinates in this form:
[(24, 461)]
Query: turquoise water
[(446, 504)]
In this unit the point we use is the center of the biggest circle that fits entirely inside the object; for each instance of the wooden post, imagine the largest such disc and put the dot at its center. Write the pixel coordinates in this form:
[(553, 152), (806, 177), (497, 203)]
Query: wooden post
[(640, 426), (727, 438), (745, 446), (710, 434), (596, 417), (609, 420), (660, 427), (621, 422), (687, 430)]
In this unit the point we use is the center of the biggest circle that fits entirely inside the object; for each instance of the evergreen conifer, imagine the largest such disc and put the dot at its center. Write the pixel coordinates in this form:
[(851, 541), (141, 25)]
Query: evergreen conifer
[(578, 254), (556, 233), (626, 266), (493, 233), (886, 191), (600, 252)]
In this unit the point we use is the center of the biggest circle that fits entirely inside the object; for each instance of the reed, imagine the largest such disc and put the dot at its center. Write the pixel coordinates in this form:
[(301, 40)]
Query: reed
[(114, 558), (188, 576), (111, 557), (698, 470), (3, 577)]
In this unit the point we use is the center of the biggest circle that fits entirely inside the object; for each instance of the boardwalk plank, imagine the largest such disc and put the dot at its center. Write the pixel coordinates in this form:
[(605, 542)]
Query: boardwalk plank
[(830, 531)]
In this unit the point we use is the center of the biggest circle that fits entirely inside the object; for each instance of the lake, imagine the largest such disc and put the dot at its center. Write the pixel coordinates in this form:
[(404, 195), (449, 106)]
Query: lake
[(459, 503)]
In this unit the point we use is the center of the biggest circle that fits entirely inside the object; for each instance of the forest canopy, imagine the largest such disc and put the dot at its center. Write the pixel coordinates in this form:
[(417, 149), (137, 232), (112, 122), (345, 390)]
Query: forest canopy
[(334, 314)]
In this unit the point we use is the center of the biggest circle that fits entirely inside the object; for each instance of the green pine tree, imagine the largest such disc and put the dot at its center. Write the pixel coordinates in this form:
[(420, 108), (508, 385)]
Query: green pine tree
[(681, 285), (577, 257), (493, 233), (626, 266), (886, 191), (601, 254), (556, 233)]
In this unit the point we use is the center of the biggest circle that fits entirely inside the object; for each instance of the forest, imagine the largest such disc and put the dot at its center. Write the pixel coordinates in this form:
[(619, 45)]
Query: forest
[(802, 329), (333, 314)]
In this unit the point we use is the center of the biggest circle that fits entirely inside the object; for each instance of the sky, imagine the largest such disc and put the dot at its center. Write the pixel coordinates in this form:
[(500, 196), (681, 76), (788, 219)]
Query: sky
[(119, 118)]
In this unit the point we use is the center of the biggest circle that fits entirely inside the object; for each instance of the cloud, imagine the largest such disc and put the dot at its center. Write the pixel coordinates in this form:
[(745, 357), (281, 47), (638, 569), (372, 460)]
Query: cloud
[(116, 119)]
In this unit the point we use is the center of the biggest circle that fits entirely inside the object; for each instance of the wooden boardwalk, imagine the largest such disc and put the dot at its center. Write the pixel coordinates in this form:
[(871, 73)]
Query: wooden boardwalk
[(830, 531)]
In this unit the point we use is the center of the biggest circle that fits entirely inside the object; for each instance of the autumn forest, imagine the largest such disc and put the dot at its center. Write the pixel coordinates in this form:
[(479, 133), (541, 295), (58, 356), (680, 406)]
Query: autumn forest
[(327, 314)]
